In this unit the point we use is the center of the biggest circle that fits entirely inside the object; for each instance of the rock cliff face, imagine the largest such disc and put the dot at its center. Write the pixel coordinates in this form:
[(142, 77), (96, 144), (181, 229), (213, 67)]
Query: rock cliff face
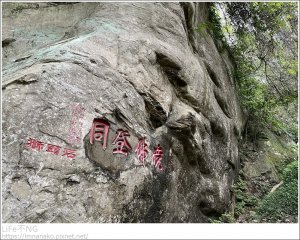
[(138, 67)]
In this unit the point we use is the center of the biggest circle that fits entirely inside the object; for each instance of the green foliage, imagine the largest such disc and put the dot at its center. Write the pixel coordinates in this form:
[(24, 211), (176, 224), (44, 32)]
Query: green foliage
[(203, 28), (225, 218), (262, 39), (215, 28), (285, 121), (284, 201), (243, 197), (290, 173)]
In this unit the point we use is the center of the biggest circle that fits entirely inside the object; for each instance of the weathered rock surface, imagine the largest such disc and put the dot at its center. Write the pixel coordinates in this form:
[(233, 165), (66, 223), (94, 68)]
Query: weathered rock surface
[(260, 159), (143, 68)]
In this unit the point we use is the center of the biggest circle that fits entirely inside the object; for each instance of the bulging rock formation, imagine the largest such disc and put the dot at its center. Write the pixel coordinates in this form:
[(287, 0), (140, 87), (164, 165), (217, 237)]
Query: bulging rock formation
[(137, 67)]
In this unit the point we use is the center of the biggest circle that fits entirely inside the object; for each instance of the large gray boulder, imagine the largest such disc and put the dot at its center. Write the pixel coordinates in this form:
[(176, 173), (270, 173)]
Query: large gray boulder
[(140, 67)]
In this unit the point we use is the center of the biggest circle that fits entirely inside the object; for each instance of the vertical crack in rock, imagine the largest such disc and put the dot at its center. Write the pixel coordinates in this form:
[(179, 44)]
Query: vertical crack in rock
[(219, 96), (157, 115), (212, 75), (217, 130), (184, 129), (222, 103), (189, 11), (120, 117), (172, 71)]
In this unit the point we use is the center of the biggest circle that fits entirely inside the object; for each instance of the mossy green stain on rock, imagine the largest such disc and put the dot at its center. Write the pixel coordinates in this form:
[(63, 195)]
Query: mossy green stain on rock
[(271, 154)]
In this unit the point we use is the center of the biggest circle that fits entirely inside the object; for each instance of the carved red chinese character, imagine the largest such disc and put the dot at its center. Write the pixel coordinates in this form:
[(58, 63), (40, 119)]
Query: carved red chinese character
[(78, 110), (157, 157), (99, 132), (35, 144), (53, 149), (122, 144), (31, 143), (69, 153), (74, 132), (141, 150)]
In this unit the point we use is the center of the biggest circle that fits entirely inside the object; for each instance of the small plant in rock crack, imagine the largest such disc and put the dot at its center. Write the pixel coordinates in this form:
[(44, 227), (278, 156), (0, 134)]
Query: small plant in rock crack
[(243, 197), (225, 218)]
